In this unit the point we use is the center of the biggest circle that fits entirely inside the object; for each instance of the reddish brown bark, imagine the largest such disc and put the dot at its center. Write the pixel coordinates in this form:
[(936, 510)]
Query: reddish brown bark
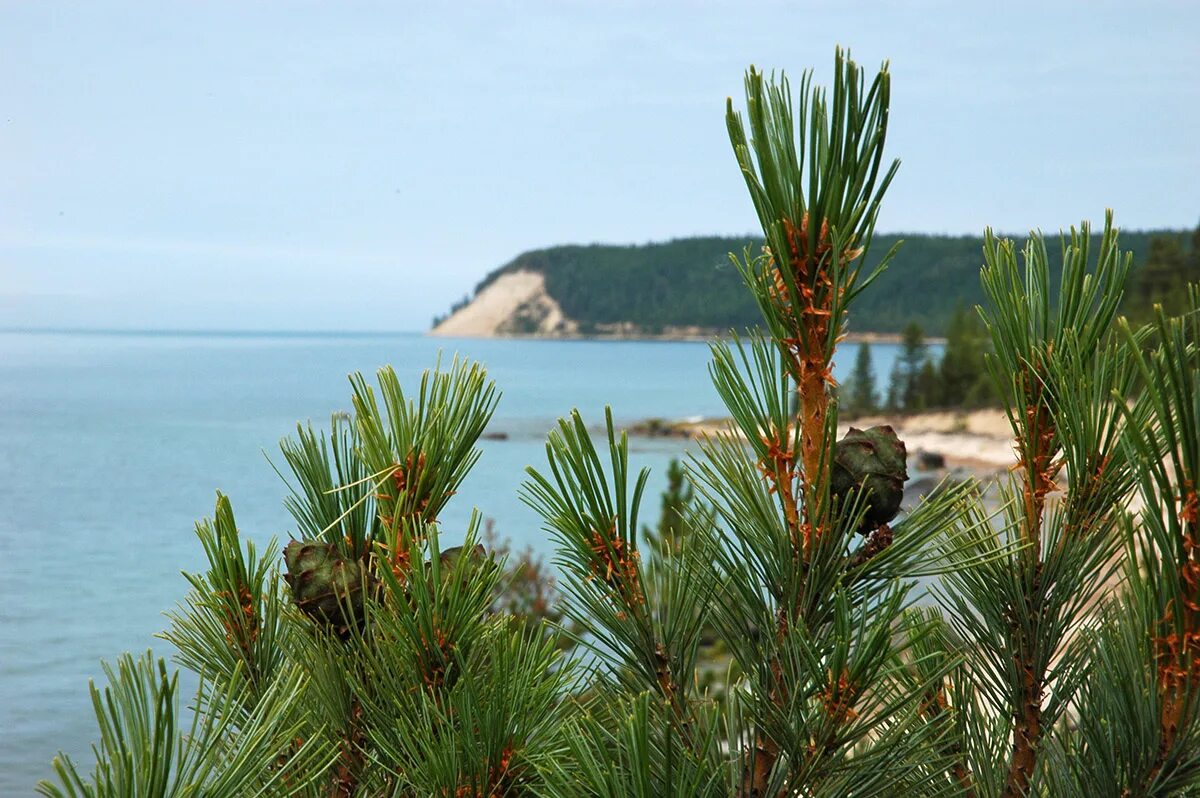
[(935, 708), (1037, 449), (1027, 733), (807, 307), (1178, 647), (350, 761)]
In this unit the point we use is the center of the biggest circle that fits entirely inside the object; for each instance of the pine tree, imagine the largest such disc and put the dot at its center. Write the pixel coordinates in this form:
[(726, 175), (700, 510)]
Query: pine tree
[(927, 387), (860, 389), (1062, 657), (1138, 728), (913, 356), (963, 378), (895, 392)]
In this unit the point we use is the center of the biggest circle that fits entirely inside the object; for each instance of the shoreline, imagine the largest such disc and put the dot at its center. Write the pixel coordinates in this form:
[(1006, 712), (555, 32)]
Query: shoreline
[(977, 440), (668, 337), (517, 306)]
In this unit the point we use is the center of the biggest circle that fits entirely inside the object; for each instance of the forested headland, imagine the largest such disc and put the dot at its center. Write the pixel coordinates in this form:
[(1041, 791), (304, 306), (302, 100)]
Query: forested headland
[(691, 282)]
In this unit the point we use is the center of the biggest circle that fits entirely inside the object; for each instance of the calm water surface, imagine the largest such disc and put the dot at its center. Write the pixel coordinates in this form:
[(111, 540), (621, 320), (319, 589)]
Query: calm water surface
[(112, 445)]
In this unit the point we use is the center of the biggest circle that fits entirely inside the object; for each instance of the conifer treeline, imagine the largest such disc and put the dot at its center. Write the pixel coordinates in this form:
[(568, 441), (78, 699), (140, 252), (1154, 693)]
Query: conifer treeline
[(918, 381), (959, 379), (1171, 265), (691, 282)]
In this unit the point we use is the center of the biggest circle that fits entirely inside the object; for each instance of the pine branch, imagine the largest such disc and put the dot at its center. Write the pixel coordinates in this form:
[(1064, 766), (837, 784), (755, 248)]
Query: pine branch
[(1167, 451), (1057, 378), (332, 499), (650, 618), (420, 448), (227, 750), (815, 181), (232, 625)]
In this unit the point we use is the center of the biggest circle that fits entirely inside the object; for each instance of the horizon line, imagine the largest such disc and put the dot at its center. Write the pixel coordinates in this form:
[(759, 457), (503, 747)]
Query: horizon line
[(202, 331)]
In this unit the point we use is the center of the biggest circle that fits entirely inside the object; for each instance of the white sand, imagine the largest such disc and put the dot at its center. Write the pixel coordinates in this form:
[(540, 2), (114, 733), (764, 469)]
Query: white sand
[(981, 439), (495, 307), (961, 448)]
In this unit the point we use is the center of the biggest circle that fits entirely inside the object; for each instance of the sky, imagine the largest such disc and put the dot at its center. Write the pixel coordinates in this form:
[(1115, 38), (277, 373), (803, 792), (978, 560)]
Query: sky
[(359, 166)]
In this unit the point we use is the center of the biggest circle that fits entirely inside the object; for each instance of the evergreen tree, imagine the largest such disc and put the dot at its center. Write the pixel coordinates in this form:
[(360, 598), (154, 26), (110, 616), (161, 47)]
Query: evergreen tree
[(964, 381), (680, 515), (895, 392), (860, 398), (905, 389), (927, 389)]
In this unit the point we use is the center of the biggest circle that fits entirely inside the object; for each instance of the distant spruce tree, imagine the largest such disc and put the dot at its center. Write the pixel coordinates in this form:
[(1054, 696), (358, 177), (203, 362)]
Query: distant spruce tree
[(895, 392), (905, 388), (912, 359), (680, 515), (927, 390), (859, 390), (962, 374), (959, 380)]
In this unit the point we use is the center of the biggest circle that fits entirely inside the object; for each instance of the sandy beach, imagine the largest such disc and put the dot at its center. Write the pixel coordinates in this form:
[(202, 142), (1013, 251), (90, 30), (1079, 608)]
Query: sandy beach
[(979, 440)]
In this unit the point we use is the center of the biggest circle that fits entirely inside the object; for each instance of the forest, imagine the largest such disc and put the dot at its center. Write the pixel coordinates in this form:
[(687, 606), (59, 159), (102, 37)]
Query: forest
[(693, 282)]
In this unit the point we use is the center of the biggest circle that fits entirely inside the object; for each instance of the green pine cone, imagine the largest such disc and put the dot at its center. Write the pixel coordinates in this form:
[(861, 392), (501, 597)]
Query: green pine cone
[(874, 461), (325, 586), (449, 558)]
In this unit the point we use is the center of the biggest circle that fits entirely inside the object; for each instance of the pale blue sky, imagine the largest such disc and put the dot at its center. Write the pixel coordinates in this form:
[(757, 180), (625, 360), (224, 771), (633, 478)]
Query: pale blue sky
[(358, 166)]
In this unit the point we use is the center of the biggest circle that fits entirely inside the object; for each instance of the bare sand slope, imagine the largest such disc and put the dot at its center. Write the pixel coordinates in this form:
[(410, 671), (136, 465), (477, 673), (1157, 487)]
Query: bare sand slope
[(514, 303)]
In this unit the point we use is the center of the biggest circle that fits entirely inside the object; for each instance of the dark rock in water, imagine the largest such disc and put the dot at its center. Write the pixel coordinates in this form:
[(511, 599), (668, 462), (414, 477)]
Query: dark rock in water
[(660, 428), (916, 488), (494, 436), (927, 486), (959, 475), (930, 461)]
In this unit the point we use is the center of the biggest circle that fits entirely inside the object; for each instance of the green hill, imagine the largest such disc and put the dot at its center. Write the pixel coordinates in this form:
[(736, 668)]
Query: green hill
[(691, 281)]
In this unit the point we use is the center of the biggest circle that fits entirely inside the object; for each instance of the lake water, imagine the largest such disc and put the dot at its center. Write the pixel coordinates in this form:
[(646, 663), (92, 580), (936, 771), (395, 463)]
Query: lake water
[(112, 445)]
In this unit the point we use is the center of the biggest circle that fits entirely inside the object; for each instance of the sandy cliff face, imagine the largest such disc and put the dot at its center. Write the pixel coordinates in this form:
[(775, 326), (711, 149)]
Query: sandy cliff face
[(514, 304)]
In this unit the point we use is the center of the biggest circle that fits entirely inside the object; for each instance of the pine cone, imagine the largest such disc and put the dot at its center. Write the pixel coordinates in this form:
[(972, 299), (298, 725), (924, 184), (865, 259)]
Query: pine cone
[(448, 561), (873, 461), (326, 586)]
